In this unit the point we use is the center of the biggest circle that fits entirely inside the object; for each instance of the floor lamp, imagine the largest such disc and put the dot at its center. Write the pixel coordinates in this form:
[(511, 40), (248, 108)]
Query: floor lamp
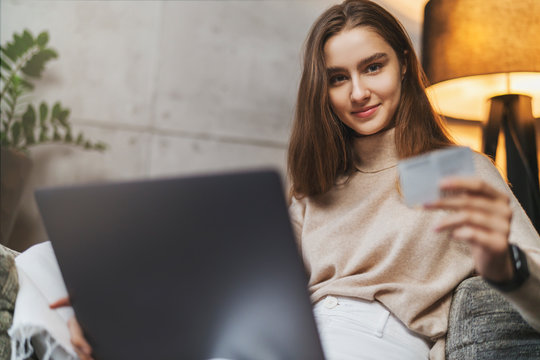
[(483, 61)]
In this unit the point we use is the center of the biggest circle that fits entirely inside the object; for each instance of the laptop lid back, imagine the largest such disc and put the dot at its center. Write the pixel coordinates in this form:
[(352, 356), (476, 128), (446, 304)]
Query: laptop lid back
[(185, 268)]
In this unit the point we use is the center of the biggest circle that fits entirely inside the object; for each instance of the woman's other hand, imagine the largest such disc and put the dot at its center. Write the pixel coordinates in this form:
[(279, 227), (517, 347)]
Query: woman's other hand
[(480, 215), (80, 345)]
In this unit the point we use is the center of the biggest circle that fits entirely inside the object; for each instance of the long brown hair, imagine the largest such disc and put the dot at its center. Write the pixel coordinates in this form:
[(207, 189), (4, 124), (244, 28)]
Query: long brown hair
[(321, 146)]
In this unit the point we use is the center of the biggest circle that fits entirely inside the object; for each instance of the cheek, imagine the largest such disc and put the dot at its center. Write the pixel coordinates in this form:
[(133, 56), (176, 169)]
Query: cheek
[(388, 87), (338, 100)]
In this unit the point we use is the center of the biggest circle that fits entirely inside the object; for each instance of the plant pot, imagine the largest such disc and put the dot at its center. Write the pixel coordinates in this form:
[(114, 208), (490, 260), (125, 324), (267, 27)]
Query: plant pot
[(14, 172)]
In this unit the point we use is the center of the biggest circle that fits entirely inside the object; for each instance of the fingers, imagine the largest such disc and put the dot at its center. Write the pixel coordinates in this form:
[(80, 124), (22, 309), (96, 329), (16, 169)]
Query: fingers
[(480, 215), (60, 303), (463, 201), (492, 242), (81, 346), (471, 185), (475, 207), (474, 219), (485, 221)]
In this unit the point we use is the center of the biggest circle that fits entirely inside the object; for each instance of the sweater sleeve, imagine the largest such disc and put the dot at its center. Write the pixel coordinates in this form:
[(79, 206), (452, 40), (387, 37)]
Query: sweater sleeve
[(526, 299)]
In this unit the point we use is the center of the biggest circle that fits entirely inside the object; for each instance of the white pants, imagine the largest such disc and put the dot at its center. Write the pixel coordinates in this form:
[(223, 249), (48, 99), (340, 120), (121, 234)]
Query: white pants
[(357, 329)]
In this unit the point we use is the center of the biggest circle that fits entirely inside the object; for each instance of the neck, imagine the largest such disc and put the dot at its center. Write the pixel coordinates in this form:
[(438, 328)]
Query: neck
[(376, 152)]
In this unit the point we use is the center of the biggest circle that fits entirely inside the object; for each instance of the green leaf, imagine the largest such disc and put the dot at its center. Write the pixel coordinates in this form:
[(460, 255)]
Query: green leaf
[(12, 91), (15, 49), (43, 137), (27, 38), (80, 139), (26, 85), (18, 92), (3, 139), (8, 101), (56, 135), (16, 133), (4, 64), (56, 110), (87, 145), (62, 117), (68, 138), (43, 110), (29, 137), (19, 46), (29, 117), (36, 64), (15, 89), (16, 81), (100, 146), (42, 39)]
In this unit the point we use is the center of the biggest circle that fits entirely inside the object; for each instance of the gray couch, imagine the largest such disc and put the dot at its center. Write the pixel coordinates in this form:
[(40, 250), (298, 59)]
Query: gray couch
[(483, 325)]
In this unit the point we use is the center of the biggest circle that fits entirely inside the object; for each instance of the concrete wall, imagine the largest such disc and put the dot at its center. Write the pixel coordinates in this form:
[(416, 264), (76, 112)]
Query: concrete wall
[(173, 87)]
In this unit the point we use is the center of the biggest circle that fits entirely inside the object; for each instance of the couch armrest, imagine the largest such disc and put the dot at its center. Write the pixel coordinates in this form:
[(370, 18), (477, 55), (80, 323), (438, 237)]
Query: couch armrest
[(483, 325)]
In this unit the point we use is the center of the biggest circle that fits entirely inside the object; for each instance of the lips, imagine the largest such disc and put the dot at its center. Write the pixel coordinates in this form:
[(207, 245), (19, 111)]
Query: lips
[(366, 111)]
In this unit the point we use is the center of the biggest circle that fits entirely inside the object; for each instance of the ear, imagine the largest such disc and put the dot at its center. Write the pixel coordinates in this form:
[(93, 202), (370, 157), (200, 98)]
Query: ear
[(404, 65)]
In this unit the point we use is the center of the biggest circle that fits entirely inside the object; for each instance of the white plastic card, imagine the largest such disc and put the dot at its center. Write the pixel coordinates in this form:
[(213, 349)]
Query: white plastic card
[(420, 175)]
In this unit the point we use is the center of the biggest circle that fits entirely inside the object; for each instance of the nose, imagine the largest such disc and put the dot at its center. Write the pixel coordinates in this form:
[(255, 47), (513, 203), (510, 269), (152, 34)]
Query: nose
[(359, 90)]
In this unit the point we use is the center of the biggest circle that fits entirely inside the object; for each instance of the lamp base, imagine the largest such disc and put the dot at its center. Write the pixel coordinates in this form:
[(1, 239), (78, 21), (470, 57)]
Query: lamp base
[(513, 115)]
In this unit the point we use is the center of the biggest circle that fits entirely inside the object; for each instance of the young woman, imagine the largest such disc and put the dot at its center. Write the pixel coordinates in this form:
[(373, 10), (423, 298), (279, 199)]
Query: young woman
[(382, 274)]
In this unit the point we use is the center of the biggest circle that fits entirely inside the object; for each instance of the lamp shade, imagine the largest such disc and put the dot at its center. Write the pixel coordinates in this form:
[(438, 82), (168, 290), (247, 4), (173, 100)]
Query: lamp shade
[(473, 50)]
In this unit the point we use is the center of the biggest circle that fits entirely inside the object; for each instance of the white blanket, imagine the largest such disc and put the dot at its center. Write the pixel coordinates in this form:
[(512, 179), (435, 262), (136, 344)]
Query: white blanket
[(35, 326)]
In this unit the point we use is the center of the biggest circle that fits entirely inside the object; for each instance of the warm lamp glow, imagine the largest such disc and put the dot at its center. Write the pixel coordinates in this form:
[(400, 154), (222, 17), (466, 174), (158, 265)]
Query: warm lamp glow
[(469, 133), (482, 58), (465, 38), (473, 50), (467, 97)]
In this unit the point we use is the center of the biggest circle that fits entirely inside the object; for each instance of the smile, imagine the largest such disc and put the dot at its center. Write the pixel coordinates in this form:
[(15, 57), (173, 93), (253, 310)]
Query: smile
[(365, 112)]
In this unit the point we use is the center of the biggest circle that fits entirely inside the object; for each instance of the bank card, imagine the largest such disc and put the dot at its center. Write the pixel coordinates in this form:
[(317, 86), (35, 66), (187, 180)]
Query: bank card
[(420, 176)]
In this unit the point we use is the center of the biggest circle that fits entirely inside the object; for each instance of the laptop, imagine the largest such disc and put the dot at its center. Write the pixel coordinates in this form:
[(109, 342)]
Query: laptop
[(197, 267)]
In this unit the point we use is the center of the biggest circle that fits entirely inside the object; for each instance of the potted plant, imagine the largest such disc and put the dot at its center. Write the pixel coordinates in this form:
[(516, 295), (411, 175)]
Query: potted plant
[(23, 125)]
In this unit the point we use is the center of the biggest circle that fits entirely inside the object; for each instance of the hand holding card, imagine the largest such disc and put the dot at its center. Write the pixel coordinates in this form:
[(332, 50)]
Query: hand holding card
[(477, 214), (420, 176)]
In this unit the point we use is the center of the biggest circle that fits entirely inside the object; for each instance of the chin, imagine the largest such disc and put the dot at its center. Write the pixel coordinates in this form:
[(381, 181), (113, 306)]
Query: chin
[(368, 132)]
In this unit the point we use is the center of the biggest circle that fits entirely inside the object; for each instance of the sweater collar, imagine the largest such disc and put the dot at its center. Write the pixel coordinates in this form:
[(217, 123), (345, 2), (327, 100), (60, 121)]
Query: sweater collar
[(376, 152)]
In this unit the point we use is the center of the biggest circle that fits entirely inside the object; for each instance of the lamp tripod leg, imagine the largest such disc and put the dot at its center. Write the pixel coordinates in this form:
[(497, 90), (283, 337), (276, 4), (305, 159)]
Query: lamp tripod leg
[(514, 114)]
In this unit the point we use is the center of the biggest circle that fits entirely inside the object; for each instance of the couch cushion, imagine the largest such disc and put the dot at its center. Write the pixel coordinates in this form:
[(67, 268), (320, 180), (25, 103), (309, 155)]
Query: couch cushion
[(9, 287), (483, 325)]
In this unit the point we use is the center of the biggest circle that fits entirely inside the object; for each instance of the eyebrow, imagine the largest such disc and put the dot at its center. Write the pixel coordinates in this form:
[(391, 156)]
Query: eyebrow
[(374, 57)]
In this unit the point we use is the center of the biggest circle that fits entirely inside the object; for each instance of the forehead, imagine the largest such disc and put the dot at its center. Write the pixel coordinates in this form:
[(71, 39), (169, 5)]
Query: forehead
[(352, 45)]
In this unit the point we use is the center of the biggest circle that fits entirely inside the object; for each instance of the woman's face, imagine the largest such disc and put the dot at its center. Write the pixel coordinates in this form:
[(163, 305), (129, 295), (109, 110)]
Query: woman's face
[(365, 79)]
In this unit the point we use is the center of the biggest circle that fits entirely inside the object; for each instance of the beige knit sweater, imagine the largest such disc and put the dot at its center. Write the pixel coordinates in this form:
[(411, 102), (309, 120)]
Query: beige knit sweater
[(360, 240)]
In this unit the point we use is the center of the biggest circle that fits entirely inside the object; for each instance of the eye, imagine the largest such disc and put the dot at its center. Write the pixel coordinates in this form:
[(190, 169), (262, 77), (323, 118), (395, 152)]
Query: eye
[(336, 79), (373, 68)]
